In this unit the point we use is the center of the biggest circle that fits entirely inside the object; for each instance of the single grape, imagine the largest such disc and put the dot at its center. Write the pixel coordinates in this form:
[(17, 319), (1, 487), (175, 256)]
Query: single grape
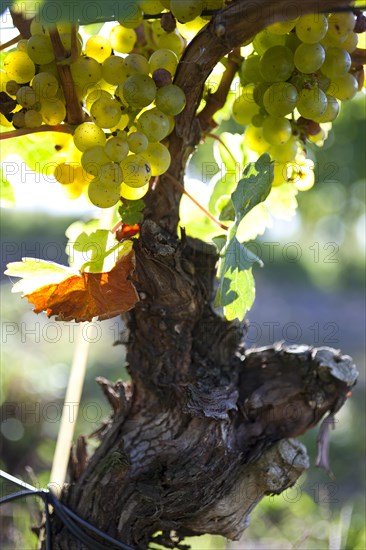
[(152, 7), (171, 41), (94, 95), (18, 119), (26, 97), (163, 59), (309, 57), (265, 40), (98, 47), (277, 64), (340, 25), (302, 174), (276, 130), (244, 107), (133, 193), (122, 39), (88, 135), (19, 67), (254, 140), (312, 103), (136, 170), (337, 63), (186, 10), (36, 27), (53, 111), (350, 44), (312, 28), (106, 112), (170, 99), (12, 87), (116, 148), (134, 18), (280, 99), (282, 27), (154, 124), (92, 159), (86, 72), (258, 92), (139, 91), (331, 112), (136, 63), (102, 195), (286, 152), (45, 85), (137, 142), (113, 70), (344, 87), (249, 70), (65, 173), (158, 157), (40, 50), (111, 174)]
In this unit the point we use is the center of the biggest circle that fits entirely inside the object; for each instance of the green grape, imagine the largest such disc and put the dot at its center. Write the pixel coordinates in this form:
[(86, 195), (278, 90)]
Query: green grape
[(133, 193), (98, 93), (152, 7), (133, 19), (280, 99), (49, 68), (66, 39), (186, 10), (309, 57), (276, 130), (32, 119), (344, 87), (12, 87), (36, 27), (19, 67), (292, 41), (18, 119), (113, 70), (286, 152), (282, 27), (158, 157), (170, 99), (323, 81), (116, 148), (136, 170), (26, 97), (92, 159), (254, 140), (340, 25), (337, 62), (22, 45), (265, 40), (98, 47), (139, 91), (331, 112), (64, 173), (258, 93), (249, 70), (106, 112), (123, 123), (154, 124), (277, 64), (102, 195), (350, 44), (53, 111), (39, 49), (67, 27), (136, 64), (163, 59), (312, 102), (86, 72), (171, 41), (88, 135), (312, 28), (122, 40), (111, 174), (137, 142), (45, 85), (244, 106)]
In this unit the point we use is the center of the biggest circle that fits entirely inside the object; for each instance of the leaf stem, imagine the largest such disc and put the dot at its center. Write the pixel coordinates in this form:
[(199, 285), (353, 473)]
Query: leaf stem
[(65, 128), (208, 214), (10, 42), (217, 138)]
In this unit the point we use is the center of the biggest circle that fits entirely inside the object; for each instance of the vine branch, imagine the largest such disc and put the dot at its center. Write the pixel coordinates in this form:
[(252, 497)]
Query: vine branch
[(65, 128), (11, 42)]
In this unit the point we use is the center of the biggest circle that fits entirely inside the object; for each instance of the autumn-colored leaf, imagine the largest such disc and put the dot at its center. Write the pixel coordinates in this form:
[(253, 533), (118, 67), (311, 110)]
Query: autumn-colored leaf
[(89, 295), (127, 231)]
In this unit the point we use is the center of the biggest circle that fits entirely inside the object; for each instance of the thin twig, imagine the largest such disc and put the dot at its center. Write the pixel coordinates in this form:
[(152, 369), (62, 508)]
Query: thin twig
[(217, 138), (65, 128), (10, 42), (208, 214)]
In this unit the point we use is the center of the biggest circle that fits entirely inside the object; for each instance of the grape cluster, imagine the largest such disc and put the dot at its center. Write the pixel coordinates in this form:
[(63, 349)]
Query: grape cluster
[(292, 84), (129, 104)]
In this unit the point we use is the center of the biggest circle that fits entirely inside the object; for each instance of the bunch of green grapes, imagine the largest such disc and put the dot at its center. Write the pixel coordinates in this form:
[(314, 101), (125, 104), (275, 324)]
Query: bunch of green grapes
[(129, 104), (292, 85)]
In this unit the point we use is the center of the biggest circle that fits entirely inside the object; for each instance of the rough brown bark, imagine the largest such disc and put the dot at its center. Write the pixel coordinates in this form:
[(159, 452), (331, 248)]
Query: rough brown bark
[(204, 429)]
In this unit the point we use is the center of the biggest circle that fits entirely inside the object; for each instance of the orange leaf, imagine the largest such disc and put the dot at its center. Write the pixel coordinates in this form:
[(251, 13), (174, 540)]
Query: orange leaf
[(83, 297)]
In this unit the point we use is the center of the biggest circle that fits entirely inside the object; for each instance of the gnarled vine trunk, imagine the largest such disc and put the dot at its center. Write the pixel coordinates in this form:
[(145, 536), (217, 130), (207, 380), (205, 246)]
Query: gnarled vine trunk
[(204, 429)]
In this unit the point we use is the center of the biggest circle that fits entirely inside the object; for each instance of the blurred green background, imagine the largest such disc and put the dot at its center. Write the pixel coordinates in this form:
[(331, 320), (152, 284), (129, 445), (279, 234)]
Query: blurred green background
[(316, 297)]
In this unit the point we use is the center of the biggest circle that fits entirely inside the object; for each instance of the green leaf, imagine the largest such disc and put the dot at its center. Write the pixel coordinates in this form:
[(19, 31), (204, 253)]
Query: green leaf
[(7, 197), (131, 212), (36, 273), (86, 13), (236, 293)]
